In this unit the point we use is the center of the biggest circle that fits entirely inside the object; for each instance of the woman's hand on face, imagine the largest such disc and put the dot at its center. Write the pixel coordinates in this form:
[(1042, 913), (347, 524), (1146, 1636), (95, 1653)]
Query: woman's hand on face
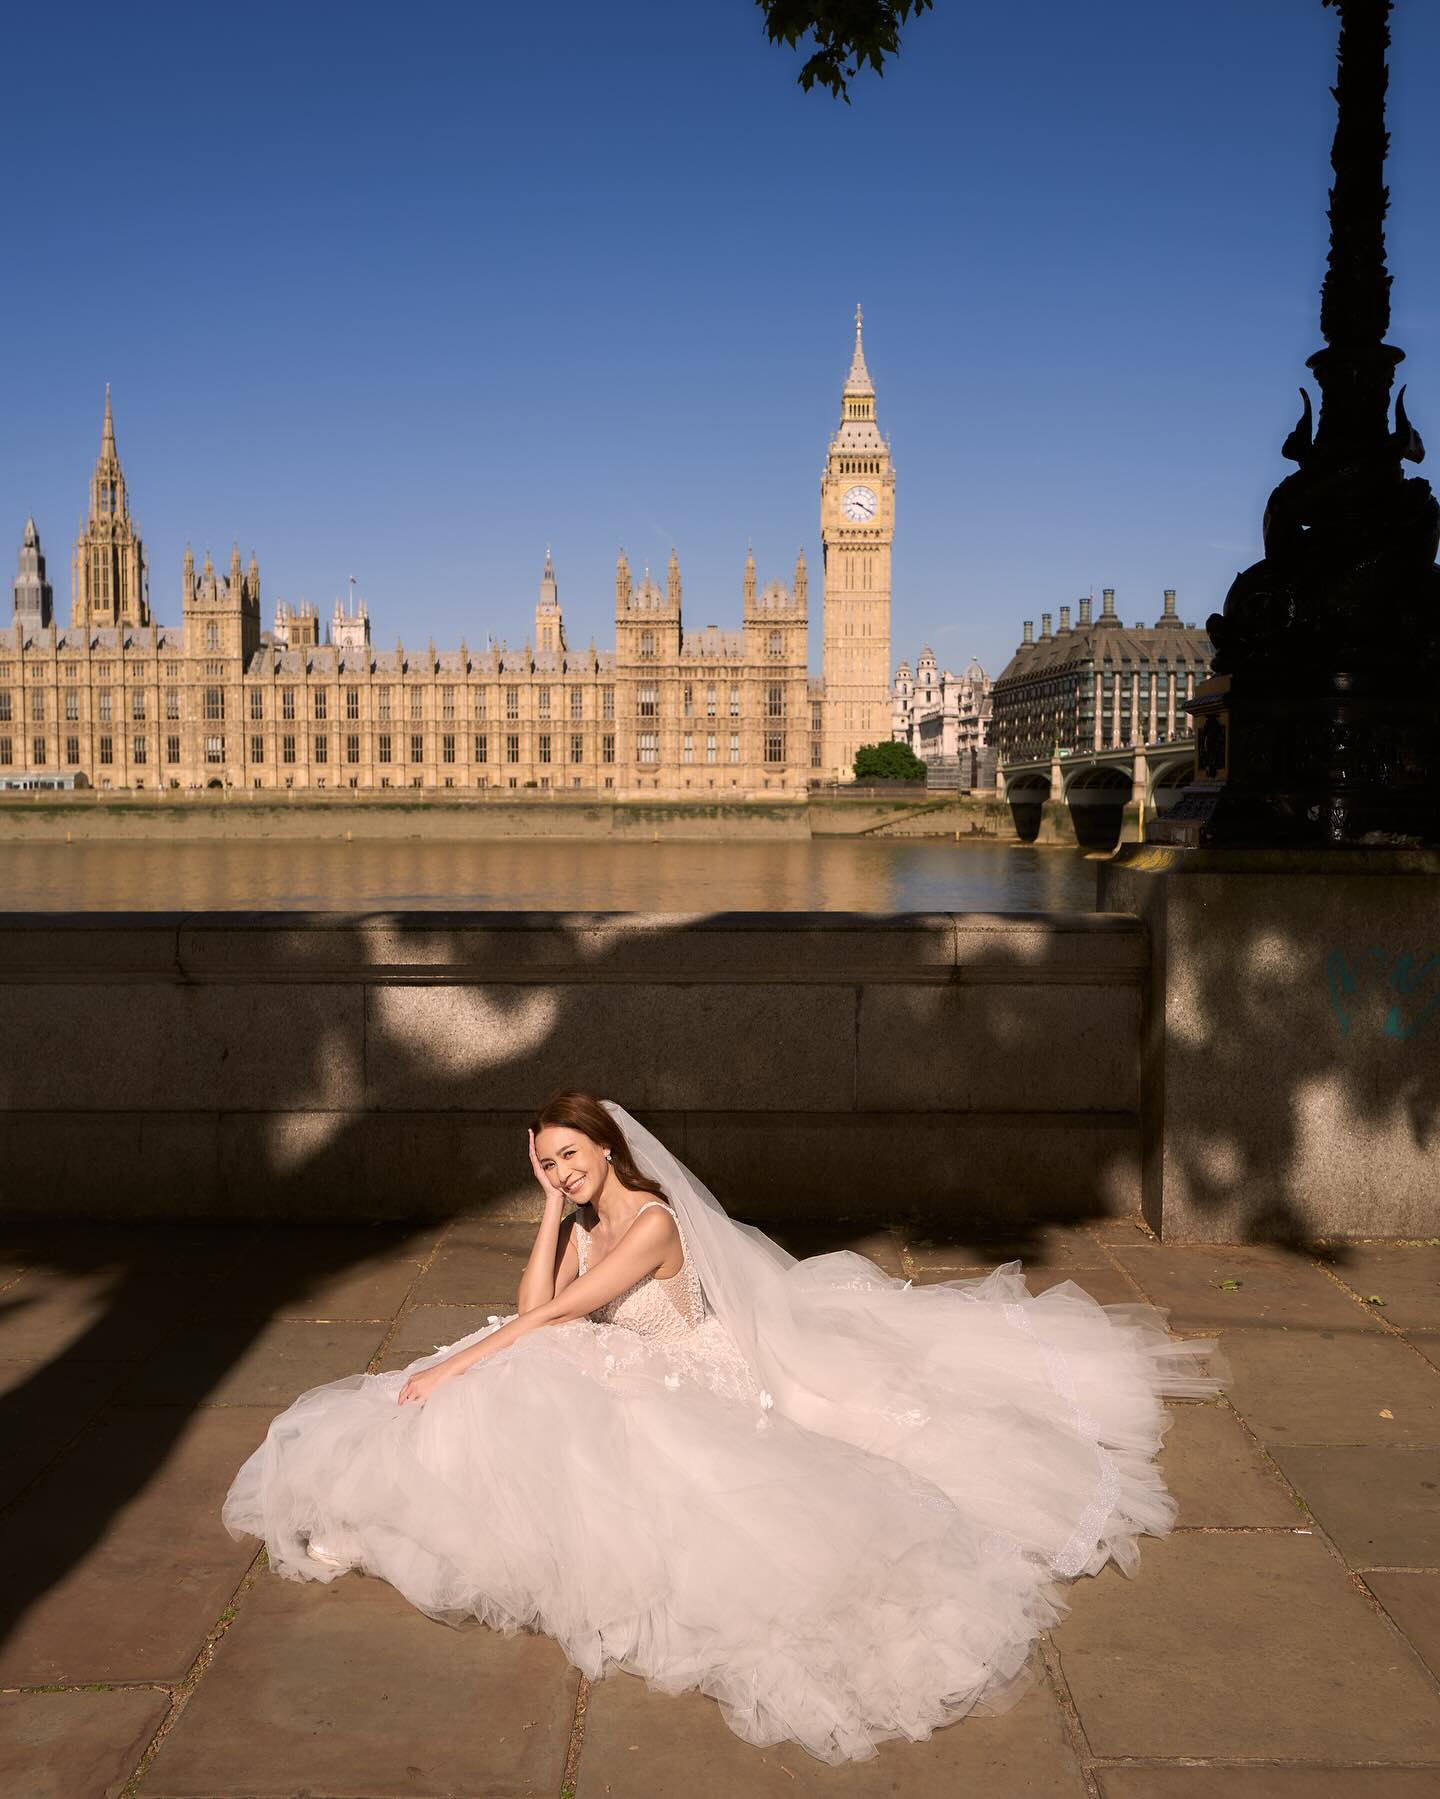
[(420, 1386), (547, 1186)]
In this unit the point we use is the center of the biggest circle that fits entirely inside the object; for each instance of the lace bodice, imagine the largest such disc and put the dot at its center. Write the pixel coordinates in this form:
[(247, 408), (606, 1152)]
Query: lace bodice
[(668, 1310)]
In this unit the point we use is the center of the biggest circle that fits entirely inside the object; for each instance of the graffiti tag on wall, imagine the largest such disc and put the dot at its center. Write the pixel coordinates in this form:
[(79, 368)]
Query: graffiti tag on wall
[(1414, 981)]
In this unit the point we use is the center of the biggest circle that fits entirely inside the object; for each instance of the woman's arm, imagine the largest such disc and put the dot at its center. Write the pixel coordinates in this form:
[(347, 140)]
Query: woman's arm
[(552, 1245), (643, 1249)]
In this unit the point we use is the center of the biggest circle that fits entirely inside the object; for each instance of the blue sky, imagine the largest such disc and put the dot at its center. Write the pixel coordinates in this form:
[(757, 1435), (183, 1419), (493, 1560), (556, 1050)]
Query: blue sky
[(409, 293)]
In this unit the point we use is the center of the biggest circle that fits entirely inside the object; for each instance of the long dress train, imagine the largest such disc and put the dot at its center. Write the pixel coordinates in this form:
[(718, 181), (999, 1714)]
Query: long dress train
[(830, 1572)]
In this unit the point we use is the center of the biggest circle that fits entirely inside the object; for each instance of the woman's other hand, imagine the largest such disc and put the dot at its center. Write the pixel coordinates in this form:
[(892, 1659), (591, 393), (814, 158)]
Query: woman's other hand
[(420, 1386), (547, 1186)]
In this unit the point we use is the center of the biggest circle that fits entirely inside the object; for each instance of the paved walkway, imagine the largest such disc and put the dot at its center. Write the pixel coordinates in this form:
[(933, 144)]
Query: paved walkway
[(1284, 1643)]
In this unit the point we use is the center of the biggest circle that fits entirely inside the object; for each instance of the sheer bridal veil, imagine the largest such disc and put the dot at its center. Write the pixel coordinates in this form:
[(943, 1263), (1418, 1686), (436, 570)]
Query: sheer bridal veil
[(930, 1376)]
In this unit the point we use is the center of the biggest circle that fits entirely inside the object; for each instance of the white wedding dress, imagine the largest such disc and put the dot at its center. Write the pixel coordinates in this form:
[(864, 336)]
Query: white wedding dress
[(845, 1511)]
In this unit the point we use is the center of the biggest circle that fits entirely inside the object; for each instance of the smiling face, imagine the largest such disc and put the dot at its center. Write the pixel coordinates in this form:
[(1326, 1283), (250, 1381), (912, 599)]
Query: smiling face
[(572, 1162)]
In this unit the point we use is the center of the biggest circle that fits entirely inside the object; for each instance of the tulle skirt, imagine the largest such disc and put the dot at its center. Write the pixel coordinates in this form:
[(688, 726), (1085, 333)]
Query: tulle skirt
[(837, 1579)]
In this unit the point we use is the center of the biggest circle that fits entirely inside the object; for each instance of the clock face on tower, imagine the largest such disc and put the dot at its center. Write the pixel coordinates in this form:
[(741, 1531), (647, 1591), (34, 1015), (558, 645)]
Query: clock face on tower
[(859, 504)]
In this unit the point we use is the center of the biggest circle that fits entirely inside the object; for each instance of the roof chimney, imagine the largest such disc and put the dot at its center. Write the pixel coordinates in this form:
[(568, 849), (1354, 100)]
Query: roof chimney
[(1064, 630), (1085, 606), (1029, 636), (1045, 632), (1107, 608)]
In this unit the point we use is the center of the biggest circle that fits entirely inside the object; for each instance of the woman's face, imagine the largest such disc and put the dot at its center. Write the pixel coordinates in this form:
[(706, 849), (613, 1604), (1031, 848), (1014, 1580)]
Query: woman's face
[(572, 1162)]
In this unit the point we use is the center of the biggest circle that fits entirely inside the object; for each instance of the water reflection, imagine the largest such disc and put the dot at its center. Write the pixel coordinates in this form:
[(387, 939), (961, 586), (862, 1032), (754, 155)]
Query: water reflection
[(830, 875)]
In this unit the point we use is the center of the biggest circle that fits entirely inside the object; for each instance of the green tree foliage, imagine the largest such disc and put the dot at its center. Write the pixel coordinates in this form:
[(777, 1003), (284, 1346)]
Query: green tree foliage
[(888, 762), (847, 34)]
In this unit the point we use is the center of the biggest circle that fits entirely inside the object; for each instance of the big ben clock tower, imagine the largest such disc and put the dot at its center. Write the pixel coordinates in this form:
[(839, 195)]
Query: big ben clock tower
[(857, 528)]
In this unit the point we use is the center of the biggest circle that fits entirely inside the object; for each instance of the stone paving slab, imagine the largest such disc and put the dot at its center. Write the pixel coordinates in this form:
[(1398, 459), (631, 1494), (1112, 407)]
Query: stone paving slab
[(483, 1268), (1107, 1285), (45, 1408), (125, 1532), (48, 1312), (1050, 1246), (1244, 1646), (1406, 1277), (1217, 1476), (935, 1276), (360, 1271), (75, 1745), (424, 1329), (1269, 1783), (234, 1362), (645, 1745), (1428, 1344), (1379, 1506), (1123, 1231), (1320, 1386), (1413, 1602), (1275, 1286), (345, 1690)]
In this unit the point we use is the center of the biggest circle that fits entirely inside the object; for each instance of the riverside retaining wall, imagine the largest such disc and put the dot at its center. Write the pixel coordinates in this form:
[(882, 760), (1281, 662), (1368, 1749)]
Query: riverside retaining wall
[(164, 817), (953, 1067)]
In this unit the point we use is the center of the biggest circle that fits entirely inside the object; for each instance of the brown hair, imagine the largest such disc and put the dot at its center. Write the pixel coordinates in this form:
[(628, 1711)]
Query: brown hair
[(579, 1112)]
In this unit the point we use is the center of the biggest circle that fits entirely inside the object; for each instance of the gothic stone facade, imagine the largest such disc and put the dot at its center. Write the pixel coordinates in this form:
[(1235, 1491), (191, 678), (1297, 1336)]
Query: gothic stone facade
[(117, 700)]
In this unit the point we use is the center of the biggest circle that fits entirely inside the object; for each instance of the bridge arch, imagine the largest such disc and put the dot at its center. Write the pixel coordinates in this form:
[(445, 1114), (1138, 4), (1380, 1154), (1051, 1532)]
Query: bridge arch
[(1097, 795), (1026, 793), (1169, 774)]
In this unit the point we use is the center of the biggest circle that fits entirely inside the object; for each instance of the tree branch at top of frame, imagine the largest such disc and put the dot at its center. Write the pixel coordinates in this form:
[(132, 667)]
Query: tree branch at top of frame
[(847, 34)]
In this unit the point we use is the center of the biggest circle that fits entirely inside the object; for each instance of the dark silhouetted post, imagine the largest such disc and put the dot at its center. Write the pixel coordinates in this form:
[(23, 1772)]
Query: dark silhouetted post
[(1321, 722)]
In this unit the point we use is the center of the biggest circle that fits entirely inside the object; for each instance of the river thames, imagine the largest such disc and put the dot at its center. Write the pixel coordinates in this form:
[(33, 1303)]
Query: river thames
[(815, 875)]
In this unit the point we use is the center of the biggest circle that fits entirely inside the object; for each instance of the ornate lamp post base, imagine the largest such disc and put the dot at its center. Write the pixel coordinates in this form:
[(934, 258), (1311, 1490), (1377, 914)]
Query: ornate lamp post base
[(1351, 762)]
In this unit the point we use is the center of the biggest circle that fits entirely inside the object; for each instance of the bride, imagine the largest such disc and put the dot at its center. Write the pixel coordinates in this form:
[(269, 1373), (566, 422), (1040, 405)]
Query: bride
[(841, 1505)]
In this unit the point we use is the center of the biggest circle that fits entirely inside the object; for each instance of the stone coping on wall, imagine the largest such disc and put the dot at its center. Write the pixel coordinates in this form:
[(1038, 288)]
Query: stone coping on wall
[(1106, 949)]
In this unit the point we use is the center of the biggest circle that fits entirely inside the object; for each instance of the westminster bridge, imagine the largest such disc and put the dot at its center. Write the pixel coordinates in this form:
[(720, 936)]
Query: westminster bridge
[(1100, 796)]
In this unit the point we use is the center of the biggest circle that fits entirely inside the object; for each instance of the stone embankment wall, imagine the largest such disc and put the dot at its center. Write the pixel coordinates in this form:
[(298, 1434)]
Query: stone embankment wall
[(959, 1068), (1291, 1048), (92, 817)]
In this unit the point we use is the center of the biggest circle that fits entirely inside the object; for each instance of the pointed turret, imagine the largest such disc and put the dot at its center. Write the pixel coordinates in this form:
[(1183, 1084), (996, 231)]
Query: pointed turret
[(109, 585), (672, 581), (549, 621), (624, 587), (858, 380), (749, 577), (858, 431), (34, 596), (802, 582)]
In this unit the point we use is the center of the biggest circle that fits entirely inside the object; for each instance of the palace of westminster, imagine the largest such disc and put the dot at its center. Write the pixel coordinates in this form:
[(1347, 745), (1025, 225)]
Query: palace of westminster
[(117, 700)]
